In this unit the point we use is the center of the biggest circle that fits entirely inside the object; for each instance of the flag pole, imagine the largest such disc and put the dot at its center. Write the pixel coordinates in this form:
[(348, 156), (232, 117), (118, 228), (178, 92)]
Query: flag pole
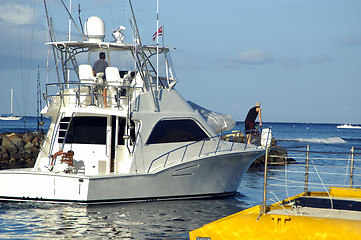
[(163, 36), (157, 44)]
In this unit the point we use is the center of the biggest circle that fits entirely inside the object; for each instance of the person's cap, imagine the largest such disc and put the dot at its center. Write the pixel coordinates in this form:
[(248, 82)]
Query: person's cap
[(258, 104)]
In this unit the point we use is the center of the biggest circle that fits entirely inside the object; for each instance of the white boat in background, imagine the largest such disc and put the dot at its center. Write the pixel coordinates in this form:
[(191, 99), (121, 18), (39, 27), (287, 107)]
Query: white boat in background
[(348, 126), (10, 116), (140, 141)]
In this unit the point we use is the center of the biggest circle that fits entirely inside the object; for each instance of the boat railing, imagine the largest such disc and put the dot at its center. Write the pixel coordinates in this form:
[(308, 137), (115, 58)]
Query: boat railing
[(163, 82), (312, 172), (221, 143), (90, 94)]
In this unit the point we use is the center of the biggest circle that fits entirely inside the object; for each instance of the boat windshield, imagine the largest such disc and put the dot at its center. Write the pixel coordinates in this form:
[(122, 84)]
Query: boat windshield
[(123, 60)]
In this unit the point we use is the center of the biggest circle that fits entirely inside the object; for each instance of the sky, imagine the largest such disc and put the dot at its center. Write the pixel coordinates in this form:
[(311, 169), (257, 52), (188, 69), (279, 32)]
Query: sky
[(300, 58)]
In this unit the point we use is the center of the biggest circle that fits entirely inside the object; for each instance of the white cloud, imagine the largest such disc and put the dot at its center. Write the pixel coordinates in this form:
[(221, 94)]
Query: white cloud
[(17, 14), (290, 62), (321, 59), (355, 40), (254, 56)]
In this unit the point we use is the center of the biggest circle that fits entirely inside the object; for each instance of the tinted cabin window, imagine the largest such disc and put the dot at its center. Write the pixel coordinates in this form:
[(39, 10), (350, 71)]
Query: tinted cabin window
[(87, 130), (167, 131)]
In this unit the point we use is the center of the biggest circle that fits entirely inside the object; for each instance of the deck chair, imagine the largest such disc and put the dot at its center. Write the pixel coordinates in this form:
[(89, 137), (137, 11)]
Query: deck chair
[(114, 81), (87, 78), (113, 76), (86, 74)]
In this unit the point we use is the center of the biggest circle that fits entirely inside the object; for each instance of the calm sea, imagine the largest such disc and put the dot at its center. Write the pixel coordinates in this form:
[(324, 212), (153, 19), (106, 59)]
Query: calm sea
[(159, 219)]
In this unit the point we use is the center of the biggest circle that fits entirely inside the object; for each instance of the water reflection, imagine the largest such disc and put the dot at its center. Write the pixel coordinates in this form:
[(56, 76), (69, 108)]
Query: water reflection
[(148, 220)]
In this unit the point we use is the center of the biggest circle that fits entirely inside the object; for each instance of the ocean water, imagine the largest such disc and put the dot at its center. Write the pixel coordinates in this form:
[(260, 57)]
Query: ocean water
[(174, 219), (25, 124)]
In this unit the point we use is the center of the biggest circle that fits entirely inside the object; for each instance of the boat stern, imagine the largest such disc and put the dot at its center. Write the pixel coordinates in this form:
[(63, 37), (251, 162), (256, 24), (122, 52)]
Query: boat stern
[(29, 185)]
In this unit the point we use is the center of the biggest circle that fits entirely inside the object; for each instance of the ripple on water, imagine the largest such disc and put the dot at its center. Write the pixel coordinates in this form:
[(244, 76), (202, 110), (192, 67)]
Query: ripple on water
[(148, 220)]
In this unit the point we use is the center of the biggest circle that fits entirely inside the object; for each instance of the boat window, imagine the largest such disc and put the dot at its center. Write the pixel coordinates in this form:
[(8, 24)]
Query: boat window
[(179, 130), (86, 130)]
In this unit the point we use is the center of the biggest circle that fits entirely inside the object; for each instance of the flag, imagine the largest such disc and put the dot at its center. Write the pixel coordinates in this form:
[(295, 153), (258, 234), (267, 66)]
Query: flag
[(158, 33)]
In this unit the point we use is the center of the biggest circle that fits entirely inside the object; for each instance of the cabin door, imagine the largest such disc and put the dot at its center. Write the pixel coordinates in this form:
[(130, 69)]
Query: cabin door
[(88, 138), (122, 156)]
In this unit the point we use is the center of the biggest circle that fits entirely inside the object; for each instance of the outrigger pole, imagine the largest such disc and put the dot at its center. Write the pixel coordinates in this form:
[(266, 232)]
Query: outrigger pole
[(52, 39), (140, 55), (40, 122), (72, 19)]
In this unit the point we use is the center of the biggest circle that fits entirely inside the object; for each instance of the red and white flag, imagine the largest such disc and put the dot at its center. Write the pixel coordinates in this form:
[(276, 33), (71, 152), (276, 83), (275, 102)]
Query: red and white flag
[(158, 33)]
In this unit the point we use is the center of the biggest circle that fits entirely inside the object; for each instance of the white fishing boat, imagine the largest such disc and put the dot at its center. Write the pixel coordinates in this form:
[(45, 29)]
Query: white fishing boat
[(10, 116), (140, 141), (348, 126)]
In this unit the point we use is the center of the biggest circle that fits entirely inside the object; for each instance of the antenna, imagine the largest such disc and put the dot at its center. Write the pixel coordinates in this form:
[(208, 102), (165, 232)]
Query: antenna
[(69, 31)]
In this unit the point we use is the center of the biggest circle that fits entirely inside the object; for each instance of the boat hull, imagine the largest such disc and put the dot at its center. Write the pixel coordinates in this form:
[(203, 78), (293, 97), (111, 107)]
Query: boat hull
[(10, 118), (220, 174), (348, 126)]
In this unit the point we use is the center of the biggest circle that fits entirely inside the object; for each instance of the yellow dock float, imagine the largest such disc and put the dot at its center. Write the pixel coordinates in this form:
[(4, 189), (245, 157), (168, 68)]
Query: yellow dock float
[(331, 214), (288, 220)]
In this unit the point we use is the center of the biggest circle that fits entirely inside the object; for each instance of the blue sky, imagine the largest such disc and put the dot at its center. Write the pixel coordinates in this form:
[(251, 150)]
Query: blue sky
[(300, 59)]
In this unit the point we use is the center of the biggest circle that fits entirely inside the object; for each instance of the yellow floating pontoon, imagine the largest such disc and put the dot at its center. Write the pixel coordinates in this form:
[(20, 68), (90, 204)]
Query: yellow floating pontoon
[(331, 214), (305, 216)]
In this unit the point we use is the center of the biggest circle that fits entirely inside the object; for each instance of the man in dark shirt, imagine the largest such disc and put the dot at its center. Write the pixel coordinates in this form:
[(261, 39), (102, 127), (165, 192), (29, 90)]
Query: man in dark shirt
[(250, 121), (100, 65)]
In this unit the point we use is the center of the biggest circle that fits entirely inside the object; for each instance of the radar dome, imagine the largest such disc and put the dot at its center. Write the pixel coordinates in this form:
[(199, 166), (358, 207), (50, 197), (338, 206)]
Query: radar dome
[(94, 29)]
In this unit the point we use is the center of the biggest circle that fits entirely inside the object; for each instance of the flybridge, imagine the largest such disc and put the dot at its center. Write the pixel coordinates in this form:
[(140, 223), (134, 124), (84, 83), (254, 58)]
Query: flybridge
[(140, 57)]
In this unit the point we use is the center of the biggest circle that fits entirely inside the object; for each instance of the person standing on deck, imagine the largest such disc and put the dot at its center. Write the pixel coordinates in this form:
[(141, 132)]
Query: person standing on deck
[(99, 67), (250, 121)]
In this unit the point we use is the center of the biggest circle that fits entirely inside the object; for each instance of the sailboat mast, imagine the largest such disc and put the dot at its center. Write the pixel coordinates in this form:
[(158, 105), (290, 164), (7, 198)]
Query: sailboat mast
[(11, 101)]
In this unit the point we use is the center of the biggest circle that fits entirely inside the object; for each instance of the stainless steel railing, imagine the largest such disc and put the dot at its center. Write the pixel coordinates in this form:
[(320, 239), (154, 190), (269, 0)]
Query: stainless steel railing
[(212, 145), (82, 95), (313, 171)]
